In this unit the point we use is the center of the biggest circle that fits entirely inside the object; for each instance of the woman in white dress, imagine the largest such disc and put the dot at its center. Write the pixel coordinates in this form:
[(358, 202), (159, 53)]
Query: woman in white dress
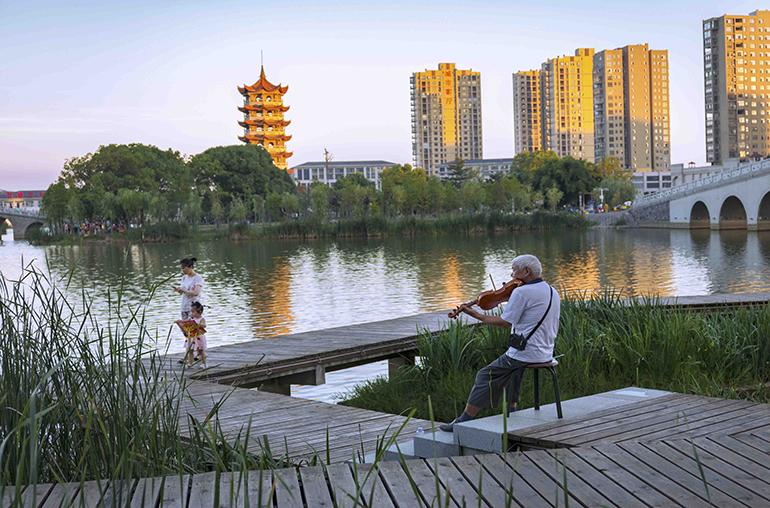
[(191, 287)]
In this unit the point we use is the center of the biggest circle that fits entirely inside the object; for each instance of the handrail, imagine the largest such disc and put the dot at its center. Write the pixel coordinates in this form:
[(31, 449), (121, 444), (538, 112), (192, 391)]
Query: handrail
[(743, 171)]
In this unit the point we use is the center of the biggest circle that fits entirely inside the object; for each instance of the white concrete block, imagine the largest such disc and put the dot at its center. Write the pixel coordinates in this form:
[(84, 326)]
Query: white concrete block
[(436, 444)]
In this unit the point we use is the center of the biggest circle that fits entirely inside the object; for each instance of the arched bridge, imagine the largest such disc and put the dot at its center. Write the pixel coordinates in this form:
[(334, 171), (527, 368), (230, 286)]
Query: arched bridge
[(22, 219), (736, 199)]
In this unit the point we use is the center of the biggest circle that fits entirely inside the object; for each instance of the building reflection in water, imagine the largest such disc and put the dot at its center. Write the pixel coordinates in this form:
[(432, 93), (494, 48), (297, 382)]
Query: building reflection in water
[(271, 299)]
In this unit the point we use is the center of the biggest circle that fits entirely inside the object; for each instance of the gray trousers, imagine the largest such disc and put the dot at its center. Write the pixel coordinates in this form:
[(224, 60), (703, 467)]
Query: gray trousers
[(493, 379)]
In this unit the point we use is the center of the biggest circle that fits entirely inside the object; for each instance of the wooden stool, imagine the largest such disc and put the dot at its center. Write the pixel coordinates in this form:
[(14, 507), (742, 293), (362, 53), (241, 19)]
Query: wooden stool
[(551, 367)]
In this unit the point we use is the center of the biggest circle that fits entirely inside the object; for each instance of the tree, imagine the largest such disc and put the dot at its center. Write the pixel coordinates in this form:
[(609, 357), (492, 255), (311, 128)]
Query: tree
[(273, 206), (526, 164), (610, 167), (193, 209), (55, 201), (237, 211), (617, 190), (216, 209), (319, 201), (458, 173), (239, 171), (139, 171), (571, 176), (553, 196), (258, 207)]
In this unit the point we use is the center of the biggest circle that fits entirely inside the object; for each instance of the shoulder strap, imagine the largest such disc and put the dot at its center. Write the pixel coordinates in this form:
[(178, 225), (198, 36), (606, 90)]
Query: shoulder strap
[(550, 301)]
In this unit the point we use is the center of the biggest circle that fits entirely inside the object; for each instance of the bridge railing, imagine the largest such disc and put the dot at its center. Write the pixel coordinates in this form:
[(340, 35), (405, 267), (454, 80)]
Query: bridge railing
[(35, 213), (743, 171)]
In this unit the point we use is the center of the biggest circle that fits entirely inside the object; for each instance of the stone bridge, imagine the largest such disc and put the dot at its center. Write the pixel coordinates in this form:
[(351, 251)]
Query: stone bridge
[(21, 220), (736, 199)]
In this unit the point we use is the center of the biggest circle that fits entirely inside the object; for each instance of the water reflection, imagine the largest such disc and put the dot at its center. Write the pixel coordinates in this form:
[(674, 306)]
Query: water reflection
[(266, 288)]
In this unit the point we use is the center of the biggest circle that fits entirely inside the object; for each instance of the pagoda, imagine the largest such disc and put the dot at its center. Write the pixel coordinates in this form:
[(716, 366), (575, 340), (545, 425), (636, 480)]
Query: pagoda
[(263, 121)]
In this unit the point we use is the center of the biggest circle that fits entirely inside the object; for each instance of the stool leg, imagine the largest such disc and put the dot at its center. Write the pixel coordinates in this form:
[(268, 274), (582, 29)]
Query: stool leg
[(537, 388), (556, 393)]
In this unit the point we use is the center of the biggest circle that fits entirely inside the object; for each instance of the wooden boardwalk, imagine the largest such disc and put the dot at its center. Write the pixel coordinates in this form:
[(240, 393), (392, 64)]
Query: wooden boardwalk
[(687, 473), (292, 427), (303, 358), (674, 416)]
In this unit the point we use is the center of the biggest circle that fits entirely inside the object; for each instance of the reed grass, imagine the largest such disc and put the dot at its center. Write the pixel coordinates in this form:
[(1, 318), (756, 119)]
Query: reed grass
[(377, 226), (607, 344), (83, 398)]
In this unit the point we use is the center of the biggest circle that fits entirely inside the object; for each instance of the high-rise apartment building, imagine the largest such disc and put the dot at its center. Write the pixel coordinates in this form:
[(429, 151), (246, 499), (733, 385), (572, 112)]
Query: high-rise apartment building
[(609, 106), (631, 107), (736, 68), (527, 111), (446, 116), (567, 118)]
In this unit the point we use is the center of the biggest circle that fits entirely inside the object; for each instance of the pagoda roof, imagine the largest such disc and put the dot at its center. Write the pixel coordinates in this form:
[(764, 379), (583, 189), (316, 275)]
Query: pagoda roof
[(267, 121), (260, 107), (266, 135), (263, 85)]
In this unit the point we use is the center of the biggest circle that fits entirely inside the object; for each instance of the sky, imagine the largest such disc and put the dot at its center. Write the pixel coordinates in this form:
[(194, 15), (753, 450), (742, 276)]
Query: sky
[(76, 75)]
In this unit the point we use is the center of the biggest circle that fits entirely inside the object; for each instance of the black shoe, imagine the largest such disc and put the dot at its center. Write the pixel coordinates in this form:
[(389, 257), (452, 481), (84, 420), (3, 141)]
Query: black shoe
[(447, 427)]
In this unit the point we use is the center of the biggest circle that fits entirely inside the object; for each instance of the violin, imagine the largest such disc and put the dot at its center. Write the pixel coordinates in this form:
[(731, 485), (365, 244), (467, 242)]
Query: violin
[(489, 299)]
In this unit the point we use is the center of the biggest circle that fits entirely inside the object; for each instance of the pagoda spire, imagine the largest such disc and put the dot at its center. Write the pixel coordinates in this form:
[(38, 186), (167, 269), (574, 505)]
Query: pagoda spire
[(263, 121)]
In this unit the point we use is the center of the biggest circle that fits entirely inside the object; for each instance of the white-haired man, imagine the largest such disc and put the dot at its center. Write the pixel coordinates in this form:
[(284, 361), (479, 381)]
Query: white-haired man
[(532, 316)]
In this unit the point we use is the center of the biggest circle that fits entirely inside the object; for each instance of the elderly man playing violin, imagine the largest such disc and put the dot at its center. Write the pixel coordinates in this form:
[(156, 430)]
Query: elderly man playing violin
[(532, 315)]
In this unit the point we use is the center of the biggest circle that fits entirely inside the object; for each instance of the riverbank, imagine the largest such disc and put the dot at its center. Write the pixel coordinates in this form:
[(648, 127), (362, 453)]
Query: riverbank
[(605, 346), (306, 228)]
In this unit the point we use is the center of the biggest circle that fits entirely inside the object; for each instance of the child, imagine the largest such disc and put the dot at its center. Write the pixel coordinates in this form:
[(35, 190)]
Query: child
[(196, 344)]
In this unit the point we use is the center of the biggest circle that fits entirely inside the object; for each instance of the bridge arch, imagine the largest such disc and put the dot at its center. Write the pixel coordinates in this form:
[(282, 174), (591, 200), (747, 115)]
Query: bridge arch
[(763, 213), (732, 214), (20, 225), (699, 215)]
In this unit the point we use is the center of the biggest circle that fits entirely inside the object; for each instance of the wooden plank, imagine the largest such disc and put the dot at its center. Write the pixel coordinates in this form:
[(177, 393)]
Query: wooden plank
[(36, 495), (90, 493), (722, 490), (596, 479), (61, 495), (635, 486), (704, 424), (504, 470), (431, 490), (721, 448), (484, 484), (721, 467), (552, 463), (663, 484), (371, 487), (118, 493), (606, 415), (543, 483), (681, 473), (175, 491), (463, 493), (11, 493), (403, 492), (733, 444), (146, 492), (643, 428), (204, 490), (592, 429), (314, 485), (342, 486), (287, 489)]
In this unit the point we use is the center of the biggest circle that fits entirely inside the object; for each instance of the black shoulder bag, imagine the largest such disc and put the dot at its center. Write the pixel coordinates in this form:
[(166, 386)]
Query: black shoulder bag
[(517, 340)]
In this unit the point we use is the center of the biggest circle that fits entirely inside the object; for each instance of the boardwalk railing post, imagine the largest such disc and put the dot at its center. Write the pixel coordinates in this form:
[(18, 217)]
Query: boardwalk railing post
[(399, 361)]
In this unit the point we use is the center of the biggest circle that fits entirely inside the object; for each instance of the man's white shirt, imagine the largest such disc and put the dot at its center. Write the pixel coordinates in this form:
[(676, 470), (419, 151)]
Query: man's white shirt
[(524, 309)]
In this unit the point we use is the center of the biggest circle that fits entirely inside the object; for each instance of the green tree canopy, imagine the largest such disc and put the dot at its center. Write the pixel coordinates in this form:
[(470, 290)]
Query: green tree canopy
[(239, 171)]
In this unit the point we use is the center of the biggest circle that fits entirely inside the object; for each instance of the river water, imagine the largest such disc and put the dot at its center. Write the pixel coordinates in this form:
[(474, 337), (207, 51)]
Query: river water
[(259, 289)]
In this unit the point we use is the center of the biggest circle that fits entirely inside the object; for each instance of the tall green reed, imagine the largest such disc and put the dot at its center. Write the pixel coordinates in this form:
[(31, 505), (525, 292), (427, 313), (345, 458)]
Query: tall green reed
[(85, 397)]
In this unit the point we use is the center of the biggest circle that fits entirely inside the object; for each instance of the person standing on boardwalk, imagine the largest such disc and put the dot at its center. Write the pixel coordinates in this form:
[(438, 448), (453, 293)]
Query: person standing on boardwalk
[(191, 287), (532, 315)]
